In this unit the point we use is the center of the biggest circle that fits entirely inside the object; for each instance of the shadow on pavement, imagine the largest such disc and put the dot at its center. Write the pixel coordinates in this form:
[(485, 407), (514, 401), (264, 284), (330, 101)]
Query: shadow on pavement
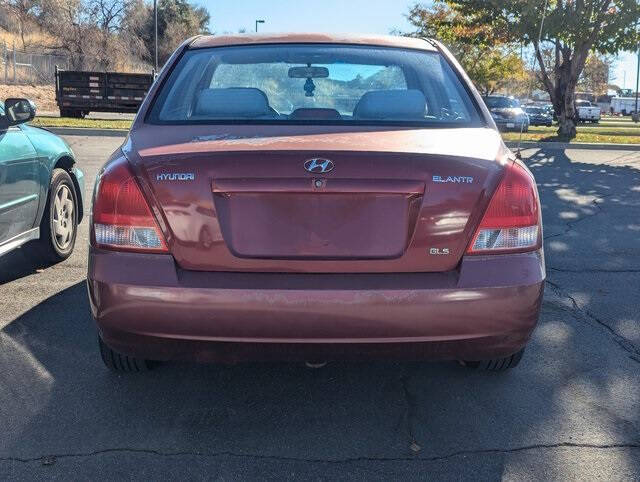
[(18, 264), (591, 217), (59, 401)]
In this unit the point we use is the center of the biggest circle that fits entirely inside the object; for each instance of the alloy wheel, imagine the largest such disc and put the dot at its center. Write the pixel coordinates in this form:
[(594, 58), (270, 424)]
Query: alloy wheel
[(62, 219)]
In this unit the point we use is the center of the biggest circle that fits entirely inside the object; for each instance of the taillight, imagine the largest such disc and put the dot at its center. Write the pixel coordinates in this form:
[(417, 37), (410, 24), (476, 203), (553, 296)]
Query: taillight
[(122, 219), (511, 222)]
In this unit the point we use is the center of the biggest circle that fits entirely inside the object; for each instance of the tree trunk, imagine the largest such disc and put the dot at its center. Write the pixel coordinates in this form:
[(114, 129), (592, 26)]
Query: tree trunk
[(564, 104), (562, 86)]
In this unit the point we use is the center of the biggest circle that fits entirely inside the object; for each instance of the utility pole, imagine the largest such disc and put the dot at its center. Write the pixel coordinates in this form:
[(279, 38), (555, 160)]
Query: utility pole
[(155, 33), (257, 22), (636, 114)]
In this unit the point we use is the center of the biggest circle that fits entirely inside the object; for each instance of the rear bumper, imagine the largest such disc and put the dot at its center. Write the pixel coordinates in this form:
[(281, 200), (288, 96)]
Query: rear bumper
[(146, 306)]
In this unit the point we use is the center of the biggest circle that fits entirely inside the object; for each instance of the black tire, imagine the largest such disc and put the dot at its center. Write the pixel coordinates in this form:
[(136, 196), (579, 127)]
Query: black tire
[(74, 114), (117, 362), (497, 364), (53, 247)]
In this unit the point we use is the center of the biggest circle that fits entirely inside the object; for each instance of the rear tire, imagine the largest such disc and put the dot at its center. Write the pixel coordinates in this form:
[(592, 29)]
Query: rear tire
[(119, 363), (59, 224), (72, 113), (497, 364)]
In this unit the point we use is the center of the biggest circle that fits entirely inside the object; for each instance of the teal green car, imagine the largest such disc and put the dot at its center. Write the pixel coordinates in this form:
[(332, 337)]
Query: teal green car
[(41, 189)]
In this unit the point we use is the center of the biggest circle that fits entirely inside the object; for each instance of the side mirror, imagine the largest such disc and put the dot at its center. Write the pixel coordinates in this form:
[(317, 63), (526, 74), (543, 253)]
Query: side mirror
[(18, 111)]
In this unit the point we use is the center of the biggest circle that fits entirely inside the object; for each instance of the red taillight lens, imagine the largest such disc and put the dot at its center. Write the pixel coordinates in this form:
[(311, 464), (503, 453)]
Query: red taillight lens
[(122, 219), (512, 219)]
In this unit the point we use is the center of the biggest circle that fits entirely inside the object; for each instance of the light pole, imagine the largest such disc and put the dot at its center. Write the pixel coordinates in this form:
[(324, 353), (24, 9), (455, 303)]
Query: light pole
[(636, 114), (155, 33), (257, 22)]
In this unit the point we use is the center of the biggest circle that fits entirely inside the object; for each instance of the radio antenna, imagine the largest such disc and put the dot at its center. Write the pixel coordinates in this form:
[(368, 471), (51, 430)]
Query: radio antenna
[(533, 61)]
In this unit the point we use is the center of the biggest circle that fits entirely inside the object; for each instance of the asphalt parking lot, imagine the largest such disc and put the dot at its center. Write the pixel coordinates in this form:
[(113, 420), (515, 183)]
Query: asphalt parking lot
[(571, 410)]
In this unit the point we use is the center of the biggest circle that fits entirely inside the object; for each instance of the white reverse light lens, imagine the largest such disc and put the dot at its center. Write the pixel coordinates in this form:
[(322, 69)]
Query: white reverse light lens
[(127, 236), (507, 238)]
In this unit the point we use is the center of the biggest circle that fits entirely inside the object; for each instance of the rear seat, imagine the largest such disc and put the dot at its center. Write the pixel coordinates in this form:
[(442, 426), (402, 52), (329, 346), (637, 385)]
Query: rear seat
[(391, 104), (233, 103)]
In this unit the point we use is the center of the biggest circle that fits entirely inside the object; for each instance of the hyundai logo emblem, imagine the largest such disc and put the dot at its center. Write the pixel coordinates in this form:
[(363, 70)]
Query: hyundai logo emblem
[(320, 166)]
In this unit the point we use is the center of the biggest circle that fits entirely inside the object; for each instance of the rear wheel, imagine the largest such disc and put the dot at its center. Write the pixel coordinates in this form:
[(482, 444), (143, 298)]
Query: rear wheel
[(117, 362), (497, 364), (73, 113)]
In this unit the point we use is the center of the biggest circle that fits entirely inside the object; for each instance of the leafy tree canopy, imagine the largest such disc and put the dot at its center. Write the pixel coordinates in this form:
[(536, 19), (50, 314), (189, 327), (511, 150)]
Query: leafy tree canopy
[(574, 29), (483, 51)]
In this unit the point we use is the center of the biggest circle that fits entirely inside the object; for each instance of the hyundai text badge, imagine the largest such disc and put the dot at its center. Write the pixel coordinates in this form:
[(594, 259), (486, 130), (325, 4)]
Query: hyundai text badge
[(175, 176), (319, 166)]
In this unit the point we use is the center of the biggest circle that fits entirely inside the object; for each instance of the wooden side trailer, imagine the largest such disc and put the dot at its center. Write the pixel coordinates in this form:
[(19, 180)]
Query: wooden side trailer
[(81, 92)]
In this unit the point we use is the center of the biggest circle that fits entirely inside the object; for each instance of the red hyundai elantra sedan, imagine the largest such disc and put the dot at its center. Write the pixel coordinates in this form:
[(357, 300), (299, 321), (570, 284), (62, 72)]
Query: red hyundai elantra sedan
[(312, 198)]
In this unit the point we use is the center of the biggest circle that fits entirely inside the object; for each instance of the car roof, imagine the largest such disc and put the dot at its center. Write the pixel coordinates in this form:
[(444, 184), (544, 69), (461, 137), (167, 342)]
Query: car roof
[(319, 38)]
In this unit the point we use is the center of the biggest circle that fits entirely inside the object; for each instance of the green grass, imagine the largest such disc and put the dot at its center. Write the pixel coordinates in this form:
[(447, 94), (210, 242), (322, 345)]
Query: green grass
[(608, 131), (85, 123), (595, 134)]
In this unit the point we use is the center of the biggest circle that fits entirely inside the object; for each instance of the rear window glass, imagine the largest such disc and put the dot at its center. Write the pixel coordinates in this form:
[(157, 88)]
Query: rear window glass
[(290, 83)]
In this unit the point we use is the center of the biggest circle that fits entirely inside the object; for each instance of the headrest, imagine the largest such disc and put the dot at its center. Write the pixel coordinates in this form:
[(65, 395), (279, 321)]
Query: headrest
[(391, 104), (242, 102)]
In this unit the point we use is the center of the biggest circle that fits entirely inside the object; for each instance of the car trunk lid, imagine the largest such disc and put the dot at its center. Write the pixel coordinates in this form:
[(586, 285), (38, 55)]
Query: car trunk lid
[(249, 204)]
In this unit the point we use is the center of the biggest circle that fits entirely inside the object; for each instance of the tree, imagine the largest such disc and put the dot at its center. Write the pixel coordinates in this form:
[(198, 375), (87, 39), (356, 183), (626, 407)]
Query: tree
[(24, 11), (595, 76), (108, 18), (68, 21), (488, 59), (177, 21), (573, 29)]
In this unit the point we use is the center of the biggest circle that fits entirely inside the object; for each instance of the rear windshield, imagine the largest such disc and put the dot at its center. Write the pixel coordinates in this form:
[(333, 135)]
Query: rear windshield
[(291, 83)]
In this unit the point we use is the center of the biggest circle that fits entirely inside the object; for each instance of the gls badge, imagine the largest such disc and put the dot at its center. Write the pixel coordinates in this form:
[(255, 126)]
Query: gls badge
[(439, 251)]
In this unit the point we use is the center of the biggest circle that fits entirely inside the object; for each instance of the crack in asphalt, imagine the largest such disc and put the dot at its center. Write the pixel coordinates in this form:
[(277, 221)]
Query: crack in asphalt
[(51, 459), (620, 340), (410, 402), (570, 224)]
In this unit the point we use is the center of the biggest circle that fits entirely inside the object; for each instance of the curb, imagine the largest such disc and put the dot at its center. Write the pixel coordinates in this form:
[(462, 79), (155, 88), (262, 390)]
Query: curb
[(85, 131), (573, 145)]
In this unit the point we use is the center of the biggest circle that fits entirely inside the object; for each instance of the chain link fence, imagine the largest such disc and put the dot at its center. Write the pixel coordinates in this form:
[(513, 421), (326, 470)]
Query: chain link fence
[(19, 67)]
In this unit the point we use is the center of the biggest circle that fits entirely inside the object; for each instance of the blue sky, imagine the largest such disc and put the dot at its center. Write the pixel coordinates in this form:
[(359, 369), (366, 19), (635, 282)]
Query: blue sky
[(357, 16)]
